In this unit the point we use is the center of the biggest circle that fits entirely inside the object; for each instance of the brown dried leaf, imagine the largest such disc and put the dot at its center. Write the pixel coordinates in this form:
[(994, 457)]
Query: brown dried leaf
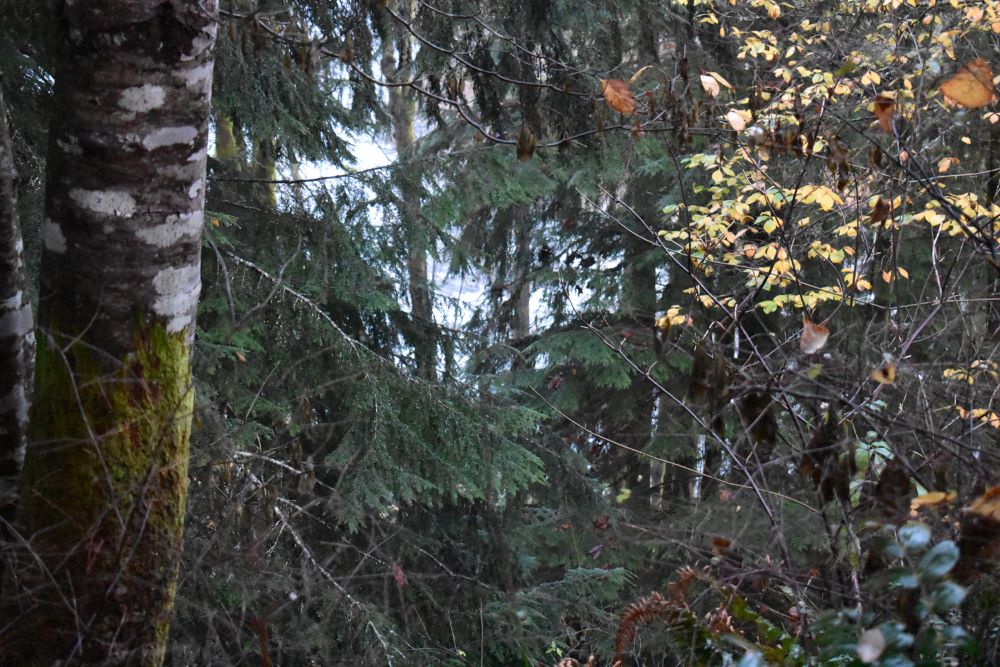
[(618, 96), (885, 109), (814, 336), (526, 143), (972, 86)]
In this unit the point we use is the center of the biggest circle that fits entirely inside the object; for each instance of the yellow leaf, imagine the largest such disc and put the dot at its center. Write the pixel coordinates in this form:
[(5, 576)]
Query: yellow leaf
[(738, 119), (722, 82), (635, 77), (887, 276), (972, 86), (885, 374), (870, 79), (774, 11), (945, 164)]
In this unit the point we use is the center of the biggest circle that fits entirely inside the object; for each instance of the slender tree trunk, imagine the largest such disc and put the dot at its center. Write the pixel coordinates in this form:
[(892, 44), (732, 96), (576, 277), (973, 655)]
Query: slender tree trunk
[(521, 323), (402, 109), (17, 339), (105, 475)]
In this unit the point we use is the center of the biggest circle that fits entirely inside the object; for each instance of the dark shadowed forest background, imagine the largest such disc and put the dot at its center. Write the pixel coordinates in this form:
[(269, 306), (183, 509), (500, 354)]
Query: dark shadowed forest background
[(529, 333)]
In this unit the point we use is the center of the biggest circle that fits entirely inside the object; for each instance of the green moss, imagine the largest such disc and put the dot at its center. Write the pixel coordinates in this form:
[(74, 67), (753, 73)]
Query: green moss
[(105, 487)]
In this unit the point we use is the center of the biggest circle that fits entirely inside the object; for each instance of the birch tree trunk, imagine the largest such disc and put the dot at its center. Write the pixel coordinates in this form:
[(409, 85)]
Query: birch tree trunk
[(17, 338), (105, 476)]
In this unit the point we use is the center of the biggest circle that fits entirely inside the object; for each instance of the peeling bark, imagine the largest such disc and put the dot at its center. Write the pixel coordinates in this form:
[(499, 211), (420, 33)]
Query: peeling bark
[(105, 474), (17, 338)]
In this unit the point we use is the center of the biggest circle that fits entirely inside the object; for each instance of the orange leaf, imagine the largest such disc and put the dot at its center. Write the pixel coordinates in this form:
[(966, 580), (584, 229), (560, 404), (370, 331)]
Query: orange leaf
[(932, 499), (945, 164), (618, 96), (886, 373), (814, 336), (988, 504), (971, 86), (885, 109)]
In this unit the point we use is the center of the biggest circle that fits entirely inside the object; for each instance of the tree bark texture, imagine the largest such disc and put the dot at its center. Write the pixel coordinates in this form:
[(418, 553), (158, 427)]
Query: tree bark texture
[(17, 338), (104, 486)]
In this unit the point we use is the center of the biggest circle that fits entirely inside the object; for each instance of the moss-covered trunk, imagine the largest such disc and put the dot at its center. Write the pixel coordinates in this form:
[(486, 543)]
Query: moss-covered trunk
[(105, 474)]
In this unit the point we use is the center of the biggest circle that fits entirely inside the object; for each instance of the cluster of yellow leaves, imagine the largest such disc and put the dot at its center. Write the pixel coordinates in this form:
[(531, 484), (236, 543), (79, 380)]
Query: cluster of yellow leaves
[(672, 318), (820, 195), (748, 199), (979, 369), (809, 299), (984, 415), (828, 252)]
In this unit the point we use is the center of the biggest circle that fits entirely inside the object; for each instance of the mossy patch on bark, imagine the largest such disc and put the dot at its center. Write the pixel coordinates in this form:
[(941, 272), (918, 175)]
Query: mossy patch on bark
[(103, 497)]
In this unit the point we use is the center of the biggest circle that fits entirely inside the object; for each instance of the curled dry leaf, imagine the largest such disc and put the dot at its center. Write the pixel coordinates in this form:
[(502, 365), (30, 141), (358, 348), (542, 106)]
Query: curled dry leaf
[(618, 96), (713, 83), (526, 143), (972, 86), (722, 81), (635, 77), (814, 336), (710, 85)]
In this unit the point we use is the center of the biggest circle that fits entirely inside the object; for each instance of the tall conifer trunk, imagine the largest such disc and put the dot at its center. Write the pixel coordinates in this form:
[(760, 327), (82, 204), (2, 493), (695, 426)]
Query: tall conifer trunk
[(402, 109), (105, 476)]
